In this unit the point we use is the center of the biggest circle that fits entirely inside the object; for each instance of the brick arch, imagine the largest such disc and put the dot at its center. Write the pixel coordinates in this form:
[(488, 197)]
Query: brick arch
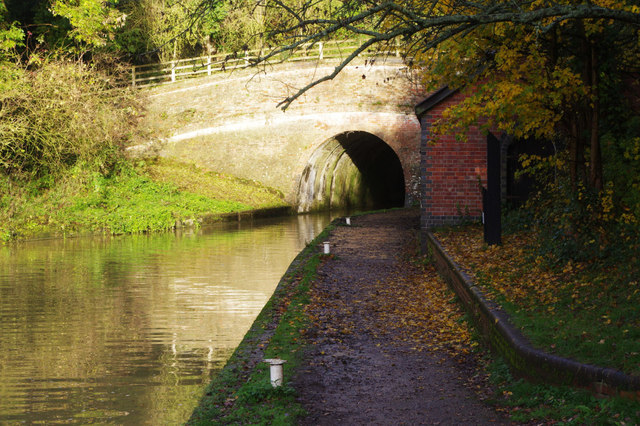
[(231, 125), (354, 170)]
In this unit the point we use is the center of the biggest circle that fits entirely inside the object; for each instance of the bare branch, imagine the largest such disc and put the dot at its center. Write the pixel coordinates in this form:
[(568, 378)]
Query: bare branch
[(423, 22), (289, 100)]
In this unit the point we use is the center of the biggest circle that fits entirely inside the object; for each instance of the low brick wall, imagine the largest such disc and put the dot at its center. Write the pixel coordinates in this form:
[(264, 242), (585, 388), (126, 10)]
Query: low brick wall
[(495, 327)]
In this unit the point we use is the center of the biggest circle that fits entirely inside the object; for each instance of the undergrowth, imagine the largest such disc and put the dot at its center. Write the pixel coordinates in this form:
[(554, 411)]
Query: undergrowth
[(61, 113), (63, 170), (127, 200)]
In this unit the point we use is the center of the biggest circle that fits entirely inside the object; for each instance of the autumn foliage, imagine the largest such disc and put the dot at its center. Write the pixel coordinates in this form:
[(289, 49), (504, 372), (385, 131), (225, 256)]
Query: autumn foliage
[(571, 310), (412, 305), (567, 82)]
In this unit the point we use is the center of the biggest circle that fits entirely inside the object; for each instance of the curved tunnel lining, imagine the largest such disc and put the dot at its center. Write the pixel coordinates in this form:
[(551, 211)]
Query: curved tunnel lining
[(353, 171)]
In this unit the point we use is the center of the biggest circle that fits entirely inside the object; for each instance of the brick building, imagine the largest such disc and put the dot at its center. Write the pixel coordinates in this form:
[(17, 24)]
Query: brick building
[(452, 171)]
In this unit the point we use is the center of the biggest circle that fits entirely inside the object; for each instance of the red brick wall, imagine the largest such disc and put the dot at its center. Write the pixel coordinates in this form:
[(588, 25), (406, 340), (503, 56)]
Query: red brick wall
[(451, 171)]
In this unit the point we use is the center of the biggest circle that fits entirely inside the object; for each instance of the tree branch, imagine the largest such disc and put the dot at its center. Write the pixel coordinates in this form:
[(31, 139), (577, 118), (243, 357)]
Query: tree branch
[(387, 20)]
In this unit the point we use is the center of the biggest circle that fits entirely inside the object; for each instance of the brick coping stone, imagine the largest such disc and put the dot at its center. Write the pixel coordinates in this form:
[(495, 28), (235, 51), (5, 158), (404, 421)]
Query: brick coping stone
[(494, 325)]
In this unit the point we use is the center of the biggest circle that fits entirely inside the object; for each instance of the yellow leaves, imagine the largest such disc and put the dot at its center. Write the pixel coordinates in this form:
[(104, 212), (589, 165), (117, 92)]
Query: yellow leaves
[(502, 272), (606, 203), (525, 92), (628, 219), (633, 151), (421, 309), (412, 307)]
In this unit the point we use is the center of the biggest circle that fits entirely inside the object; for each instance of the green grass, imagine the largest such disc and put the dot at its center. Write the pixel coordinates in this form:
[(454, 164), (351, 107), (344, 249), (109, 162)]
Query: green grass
[(145, 198), (584, 312), (241, 392), (596, 325), (587, 312), (530, 403), (592, 318), (191, 178)]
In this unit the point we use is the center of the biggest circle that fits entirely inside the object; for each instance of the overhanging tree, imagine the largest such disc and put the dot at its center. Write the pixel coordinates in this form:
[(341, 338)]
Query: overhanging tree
[(537, 66), (560, 70)]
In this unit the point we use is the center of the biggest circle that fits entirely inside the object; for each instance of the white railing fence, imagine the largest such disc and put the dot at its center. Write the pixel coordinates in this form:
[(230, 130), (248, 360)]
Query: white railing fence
[(182, 69)]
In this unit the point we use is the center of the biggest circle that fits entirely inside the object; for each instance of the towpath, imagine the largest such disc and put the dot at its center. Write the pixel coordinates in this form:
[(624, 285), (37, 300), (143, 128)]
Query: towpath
[(377, 357)]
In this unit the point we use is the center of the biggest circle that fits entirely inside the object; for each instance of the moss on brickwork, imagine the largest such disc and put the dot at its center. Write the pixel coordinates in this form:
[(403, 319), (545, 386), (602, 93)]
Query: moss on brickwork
[(238, 130)]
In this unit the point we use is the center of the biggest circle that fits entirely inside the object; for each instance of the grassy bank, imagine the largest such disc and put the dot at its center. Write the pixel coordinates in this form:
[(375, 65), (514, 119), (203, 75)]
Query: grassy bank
[(575, 310), (241, 392), (64, 171), (588, 314), (141, 197)]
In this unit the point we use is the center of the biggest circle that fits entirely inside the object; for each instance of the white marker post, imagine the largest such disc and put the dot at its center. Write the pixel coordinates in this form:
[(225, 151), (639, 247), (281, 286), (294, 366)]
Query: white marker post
[(326, 247), (276, 371)]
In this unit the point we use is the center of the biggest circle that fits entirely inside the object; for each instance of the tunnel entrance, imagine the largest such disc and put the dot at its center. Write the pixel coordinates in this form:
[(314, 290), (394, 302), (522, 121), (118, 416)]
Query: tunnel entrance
[(352, 171)]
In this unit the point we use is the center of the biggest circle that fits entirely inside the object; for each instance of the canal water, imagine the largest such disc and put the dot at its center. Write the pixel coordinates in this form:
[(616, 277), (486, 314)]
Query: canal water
[(129, 330)]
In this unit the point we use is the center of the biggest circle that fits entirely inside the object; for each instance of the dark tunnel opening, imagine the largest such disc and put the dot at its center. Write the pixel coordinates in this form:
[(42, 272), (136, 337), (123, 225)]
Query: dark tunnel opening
[(352, 171)]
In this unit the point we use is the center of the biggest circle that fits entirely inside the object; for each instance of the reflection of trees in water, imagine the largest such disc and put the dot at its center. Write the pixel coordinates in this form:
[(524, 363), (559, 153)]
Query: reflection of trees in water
[(160, 310)]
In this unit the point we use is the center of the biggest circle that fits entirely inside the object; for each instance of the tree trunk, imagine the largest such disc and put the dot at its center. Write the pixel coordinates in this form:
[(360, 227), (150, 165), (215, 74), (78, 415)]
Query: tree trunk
[(576, 147), (595, 162), (574, 159)]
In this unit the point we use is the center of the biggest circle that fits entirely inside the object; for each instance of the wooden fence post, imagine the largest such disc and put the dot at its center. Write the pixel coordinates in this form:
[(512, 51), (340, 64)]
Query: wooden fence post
[(209, 65), (173, 71), (133, 76), (320, 51)]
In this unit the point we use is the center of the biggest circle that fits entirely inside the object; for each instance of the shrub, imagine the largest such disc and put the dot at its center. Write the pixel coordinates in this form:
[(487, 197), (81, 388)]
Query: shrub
[(578, 223), (61, 114)]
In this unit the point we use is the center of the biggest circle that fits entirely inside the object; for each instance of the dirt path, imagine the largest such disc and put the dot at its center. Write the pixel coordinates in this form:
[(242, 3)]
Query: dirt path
[(375, 359)]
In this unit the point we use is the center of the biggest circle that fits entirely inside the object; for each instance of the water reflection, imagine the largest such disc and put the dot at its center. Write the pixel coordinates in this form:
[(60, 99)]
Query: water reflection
[(127, 330)]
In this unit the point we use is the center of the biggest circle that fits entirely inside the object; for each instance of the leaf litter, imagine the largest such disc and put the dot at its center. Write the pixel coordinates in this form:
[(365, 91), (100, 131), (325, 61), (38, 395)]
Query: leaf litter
[(388, 342)]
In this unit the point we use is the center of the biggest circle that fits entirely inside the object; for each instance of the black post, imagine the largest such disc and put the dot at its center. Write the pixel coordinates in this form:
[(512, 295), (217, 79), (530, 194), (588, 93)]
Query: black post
[(491, 195)]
